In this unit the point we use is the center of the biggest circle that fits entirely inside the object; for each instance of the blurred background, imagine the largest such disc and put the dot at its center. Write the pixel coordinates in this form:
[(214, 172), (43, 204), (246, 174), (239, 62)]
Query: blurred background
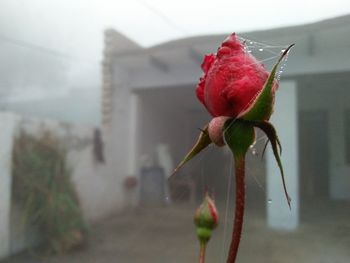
[(97, 106)]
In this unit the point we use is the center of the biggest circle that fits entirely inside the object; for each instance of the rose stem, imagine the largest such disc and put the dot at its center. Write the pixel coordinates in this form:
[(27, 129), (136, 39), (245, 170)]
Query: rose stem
[(239, 209), (202, 253)]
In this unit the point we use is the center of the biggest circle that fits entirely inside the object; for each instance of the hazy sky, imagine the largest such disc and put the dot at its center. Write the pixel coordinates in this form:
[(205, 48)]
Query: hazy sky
[(75, 27)]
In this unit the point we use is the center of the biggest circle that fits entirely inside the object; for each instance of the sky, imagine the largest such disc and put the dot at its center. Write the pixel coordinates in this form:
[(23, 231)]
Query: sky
[(74, 28)]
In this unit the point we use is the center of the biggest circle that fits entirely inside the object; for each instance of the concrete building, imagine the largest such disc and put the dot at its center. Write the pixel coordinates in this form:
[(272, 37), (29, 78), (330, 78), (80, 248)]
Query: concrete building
[(148, 99)]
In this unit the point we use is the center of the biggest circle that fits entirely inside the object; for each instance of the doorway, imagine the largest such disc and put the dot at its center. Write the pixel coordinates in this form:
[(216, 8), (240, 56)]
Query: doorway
[(314, 154)]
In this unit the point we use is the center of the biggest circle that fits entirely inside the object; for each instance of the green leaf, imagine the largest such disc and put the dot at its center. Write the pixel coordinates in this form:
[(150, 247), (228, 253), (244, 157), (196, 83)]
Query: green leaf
[(202, 142), (271, 134), (262, 106), (239, 135)]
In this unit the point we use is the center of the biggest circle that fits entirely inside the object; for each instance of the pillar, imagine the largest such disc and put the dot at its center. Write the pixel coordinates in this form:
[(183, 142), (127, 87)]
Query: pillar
[(8, 124), (285, 120)]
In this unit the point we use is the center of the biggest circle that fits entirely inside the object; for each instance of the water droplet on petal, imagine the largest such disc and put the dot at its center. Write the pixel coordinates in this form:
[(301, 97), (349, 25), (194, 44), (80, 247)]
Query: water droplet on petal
[(269, 201), (261, 49)]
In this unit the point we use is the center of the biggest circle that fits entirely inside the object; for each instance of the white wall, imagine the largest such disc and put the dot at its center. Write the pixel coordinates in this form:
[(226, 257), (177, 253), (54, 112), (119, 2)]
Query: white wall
[(98, 185), (120, 132)]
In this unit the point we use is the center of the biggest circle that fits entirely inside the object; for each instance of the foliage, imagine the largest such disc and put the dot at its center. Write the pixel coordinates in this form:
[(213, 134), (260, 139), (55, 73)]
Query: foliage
[(42, 187)]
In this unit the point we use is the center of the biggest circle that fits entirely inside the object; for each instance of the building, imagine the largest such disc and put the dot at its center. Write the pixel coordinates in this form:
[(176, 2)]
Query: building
[(148, 99)]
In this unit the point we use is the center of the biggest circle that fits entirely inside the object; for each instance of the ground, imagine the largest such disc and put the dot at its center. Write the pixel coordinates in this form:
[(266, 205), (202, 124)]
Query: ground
[(166, 234)]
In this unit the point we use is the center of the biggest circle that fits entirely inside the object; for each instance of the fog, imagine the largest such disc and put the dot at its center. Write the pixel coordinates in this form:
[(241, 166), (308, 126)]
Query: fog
[(98, 105), (52, 47)]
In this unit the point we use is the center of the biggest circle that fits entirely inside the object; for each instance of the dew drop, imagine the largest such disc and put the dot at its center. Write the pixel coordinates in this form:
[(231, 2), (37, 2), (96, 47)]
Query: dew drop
[(249, 51), (254, 152), (269, 201), (283, 50), (251, 42), (261, 49), (252, 145)]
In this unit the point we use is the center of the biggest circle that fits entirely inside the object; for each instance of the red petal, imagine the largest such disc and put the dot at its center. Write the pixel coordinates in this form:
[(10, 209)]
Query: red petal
[(232, 42), (200, 90), (207, 62)]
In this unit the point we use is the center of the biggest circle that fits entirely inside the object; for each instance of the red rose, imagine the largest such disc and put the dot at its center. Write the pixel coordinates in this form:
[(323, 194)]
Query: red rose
[(239, 93), (231, 81)]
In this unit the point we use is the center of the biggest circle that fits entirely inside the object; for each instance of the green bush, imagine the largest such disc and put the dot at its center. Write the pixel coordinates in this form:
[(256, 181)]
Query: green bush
[(42, 187)]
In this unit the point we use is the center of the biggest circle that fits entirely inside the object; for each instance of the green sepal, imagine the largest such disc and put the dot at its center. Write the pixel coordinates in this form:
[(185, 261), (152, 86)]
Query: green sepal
[(271, 134), (204, 235), (203, 141), (262, 106), (239, 135)]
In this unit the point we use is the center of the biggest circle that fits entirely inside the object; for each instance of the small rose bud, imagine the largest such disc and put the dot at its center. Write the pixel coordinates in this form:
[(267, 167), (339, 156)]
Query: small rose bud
[(206, 219), (216, 130)]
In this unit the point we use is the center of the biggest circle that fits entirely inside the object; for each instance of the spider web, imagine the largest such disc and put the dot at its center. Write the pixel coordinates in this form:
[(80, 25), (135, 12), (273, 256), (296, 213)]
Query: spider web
[(267, 54)]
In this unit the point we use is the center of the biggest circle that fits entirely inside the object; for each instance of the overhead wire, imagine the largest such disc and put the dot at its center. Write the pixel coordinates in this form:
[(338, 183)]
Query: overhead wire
[(45, 50), (163, 17)]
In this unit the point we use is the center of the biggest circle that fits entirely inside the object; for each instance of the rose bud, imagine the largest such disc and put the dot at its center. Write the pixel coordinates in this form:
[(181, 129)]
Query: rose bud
[(238, 92), (232, 80), (206, 219), (215, 130)]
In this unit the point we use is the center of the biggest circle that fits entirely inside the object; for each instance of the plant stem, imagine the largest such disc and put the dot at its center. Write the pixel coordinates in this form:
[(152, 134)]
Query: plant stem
[(202, 253), (239, 209)]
